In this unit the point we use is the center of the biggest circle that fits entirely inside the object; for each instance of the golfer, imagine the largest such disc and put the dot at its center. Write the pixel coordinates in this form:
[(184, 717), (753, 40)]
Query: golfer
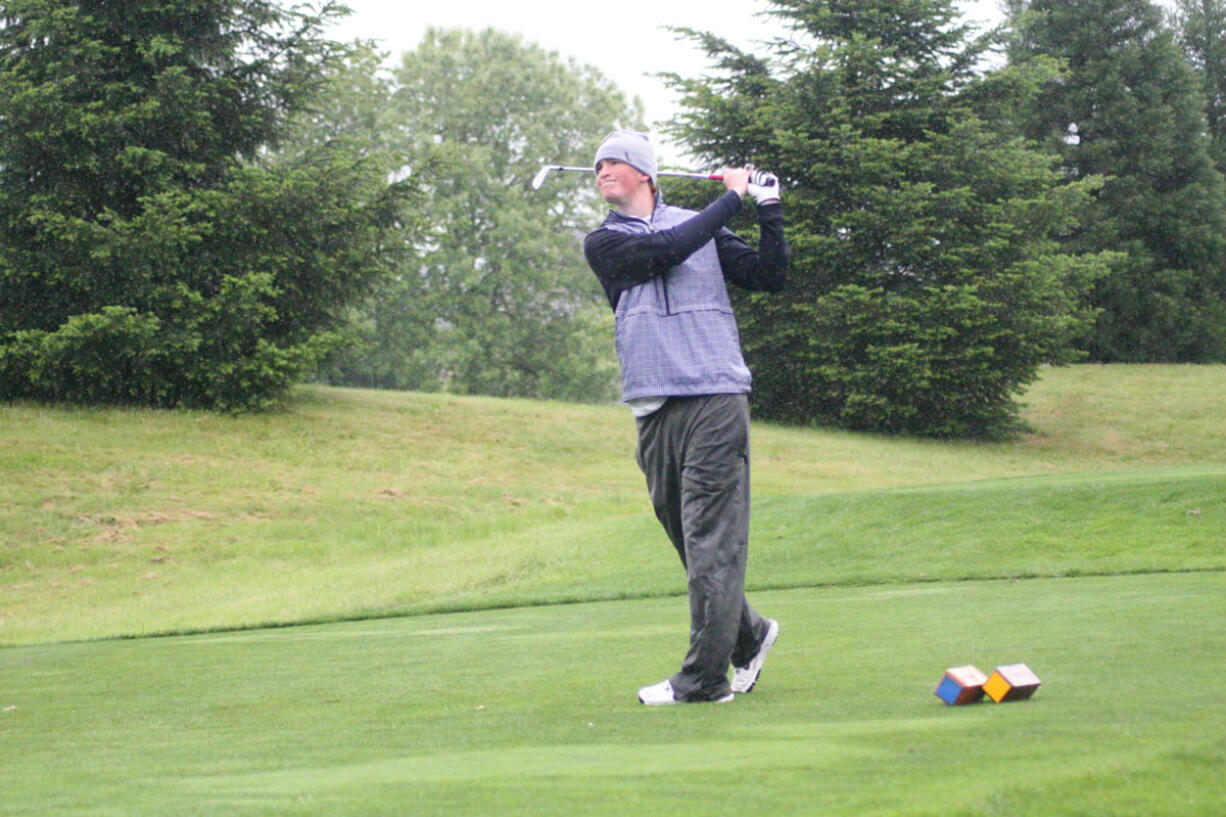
[(664, 270)]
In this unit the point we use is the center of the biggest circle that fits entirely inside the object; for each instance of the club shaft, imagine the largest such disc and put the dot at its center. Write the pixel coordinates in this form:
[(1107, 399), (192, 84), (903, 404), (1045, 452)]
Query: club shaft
[(676, 174), (715, 177)]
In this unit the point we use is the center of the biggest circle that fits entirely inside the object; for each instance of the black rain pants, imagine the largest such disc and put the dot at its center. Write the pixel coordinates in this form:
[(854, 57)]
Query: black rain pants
[(694, 452)]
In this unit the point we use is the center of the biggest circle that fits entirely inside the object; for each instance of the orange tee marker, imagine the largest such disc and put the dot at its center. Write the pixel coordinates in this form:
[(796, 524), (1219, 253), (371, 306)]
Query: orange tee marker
[(1011, 682)]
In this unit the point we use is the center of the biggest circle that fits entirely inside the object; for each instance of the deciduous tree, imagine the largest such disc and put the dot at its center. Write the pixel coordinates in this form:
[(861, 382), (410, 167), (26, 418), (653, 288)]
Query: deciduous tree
[(495, 298)]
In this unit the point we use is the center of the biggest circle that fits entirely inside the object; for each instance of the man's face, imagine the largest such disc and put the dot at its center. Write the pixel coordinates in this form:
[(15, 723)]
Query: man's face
[(618, 182)]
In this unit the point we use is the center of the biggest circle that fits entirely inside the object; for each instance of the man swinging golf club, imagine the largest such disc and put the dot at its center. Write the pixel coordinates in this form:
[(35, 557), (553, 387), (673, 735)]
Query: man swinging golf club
[(664, 271)]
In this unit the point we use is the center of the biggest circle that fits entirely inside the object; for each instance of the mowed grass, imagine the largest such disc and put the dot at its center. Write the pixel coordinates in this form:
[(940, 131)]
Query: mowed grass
[(352, 504), (531, 711), (432, 540)]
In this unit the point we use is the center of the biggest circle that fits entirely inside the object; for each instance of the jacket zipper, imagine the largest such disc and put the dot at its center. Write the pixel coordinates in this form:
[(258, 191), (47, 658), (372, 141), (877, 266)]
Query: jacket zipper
[(663, 279)]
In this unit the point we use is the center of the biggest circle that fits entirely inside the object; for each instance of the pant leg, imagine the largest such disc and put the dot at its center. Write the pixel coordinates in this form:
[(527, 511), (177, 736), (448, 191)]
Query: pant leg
[(660, 455), (695, 454)]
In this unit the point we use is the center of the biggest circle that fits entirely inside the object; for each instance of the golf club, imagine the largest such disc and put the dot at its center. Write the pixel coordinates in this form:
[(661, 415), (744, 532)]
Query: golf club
[(545, 170)]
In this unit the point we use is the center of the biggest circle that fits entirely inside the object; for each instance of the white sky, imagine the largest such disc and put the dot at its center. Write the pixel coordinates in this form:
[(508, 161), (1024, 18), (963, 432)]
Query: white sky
[(593, 35)]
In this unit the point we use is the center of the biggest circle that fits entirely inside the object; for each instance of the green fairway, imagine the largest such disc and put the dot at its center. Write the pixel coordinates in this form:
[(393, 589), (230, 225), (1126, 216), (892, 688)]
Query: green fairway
[(532, 711), (469, 591)]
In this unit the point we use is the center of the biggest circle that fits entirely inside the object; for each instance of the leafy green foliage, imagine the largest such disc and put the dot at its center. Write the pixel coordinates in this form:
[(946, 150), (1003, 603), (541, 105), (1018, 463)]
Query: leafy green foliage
[(153, 249), (494, 297), (928, 286), (1129, 108)]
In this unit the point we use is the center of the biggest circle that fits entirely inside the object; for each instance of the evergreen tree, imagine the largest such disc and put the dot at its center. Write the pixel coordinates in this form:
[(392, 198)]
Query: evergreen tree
[(154, 247), (1201, 25), (1129, 107), (927, 288)]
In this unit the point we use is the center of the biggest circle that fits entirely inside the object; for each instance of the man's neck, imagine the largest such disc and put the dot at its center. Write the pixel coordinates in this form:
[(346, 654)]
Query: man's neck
[(640, 206)]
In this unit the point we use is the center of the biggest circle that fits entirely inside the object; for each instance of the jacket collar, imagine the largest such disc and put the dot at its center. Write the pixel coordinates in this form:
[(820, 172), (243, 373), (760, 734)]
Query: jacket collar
[(618, 215)]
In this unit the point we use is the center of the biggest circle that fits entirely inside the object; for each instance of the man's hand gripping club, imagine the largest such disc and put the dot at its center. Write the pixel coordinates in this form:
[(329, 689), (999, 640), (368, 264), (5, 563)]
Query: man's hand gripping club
[(761, 184), (764, 186)]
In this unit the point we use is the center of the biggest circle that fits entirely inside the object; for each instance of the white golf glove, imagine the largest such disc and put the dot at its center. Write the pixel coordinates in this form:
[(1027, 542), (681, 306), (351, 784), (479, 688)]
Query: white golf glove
[(764, 186)]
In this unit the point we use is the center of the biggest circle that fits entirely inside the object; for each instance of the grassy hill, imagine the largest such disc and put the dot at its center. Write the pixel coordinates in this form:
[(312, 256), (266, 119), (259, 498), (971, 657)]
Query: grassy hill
[(353, 504)]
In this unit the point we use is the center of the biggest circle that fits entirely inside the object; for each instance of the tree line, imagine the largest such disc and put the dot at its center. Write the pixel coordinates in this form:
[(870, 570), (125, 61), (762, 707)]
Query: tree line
[(202, 204)]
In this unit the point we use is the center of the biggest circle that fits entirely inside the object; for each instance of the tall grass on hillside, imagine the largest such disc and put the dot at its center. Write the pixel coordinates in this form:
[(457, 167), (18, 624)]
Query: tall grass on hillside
[(354, 504)]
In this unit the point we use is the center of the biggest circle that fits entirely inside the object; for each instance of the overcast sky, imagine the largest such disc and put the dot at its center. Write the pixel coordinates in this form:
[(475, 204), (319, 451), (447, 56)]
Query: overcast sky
[(626, 48)]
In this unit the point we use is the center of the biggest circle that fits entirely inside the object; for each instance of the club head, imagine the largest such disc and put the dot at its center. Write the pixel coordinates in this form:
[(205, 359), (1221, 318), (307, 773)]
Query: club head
[(539, 178)]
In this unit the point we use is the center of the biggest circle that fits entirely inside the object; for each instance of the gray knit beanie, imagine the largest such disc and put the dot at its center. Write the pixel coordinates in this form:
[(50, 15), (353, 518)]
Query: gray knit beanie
[(631, 147)]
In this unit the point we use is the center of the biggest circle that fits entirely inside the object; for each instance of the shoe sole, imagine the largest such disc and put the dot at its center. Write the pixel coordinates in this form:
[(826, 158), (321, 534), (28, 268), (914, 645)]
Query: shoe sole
[(726, 699), (772, 635)]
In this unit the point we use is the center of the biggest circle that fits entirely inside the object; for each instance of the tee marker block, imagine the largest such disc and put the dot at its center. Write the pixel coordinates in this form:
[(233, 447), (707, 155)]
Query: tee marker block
[(1011, 682), (961, 685)]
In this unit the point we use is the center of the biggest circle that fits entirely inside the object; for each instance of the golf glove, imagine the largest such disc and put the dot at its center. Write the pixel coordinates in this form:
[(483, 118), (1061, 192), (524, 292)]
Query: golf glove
[(764, 186)]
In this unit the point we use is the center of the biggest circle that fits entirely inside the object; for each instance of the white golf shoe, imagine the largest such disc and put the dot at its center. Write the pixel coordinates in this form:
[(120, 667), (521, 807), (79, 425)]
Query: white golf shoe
[(661, 694), (743, 678)]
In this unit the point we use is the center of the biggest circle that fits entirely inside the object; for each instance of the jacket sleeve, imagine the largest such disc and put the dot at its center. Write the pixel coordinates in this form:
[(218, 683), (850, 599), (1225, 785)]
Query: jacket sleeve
[(624, 260), (764, 270)]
